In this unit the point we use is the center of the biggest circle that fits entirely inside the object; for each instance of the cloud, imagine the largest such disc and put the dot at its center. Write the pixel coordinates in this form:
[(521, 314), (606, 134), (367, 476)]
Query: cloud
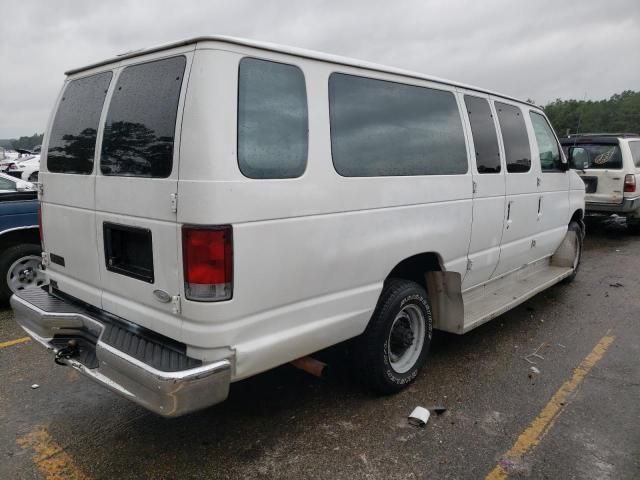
[(540, 50)]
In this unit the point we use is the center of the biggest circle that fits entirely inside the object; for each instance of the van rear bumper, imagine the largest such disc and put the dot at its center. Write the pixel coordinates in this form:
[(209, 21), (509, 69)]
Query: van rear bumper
[(52, 321), (628, 205)]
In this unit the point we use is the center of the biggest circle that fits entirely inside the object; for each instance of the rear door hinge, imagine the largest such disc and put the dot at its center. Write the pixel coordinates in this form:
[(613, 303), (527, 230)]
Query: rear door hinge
[(174, 202), (469, 265), (45, 259), (175, 302), (40, 188)]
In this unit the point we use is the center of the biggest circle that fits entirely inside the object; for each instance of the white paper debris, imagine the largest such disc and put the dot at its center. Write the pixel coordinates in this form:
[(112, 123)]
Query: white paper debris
[(419, 417)]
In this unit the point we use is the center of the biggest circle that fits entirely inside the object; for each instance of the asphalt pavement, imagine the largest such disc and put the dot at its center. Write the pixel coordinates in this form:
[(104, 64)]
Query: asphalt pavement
[(570, 411)]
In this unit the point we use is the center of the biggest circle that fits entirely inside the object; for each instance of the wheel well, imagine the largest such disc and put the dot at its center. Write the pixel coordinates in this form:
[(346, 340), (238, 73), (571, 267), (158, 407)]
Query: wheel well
[(17, 237), (415, 267), (578, 216)]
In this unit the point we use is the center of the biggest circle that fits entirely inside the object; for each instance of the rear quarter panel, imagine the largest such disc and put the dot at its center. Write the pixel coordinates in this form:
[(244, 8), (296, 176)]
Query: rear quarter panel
[(311, 253)]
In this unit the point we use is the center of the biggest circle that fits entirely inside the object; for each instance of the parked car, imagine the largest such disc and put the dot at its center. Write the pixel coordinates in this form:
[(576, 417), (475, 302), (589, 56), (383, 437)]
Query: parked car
[(609, 165), (335, 200), (26, 168), (9, 184), (20, 251), (7, 157)]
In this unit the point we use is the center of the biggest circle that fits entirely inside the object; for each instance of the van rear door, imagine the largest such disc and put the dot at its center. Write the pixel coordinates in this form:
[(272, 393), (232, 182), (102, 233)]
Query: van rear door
[(136, 194), (68, 200)]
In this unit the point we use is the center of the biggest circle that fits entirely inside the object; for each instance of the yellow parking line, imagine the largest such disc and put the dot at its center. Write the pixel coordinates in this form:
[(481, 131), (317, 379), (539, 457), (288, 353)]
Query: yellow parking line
[(536, 431), (50, 458), (11, 343)]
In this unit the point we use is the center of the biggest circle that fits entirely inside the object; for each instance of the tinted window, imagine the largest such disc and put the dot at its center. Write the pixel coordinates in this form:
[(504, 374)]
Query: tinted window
[(485, 139), (72, 142), (514, 137), (635, 152), (138, 134), (547, 143), (6, 184), (593, 155), (385, 128), (272, 120)]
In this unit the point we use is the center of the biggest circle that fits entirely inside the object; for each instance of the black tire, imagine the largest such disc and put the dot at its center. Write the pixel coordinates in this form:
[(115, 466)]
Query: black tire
[(33, 178), (7, 258), (575, 226), (633, 226), (372, 349)]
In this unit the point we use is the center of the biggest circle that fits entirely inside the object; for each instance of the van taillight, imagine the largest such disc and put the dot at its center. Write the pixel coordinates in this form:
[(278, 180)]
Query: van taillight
[(208, 263), (630, 183)]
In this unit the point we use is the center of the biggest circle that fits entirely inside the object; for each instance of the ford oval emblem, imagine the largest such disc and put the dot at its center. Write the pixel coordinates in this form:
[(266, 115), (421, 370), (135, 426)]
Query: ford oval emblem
[(163, 296)]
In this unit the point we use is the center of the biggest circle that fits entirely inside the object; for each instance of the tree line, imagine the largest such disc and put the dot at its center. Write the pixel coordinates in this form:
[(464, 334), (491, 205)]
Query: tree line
[(619, 113), (24, 142)]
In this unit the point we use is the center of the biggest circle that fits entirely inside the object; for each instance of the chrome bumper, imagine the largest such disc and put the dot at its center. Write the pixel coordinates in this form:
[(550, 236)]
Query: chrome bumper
[(169, 394), (628, 205)]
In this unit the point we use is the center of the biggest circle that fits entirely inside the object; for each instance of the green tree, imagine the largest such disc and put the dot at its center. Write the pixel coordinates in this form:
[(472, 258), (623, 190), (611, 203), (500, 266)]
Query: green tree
[(620, 113)]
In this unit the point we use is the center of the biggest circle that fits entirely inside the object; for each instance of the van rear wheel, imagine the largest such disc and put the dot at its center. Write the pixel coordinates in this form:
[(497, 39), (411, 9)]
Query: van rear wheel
[(394, 347)]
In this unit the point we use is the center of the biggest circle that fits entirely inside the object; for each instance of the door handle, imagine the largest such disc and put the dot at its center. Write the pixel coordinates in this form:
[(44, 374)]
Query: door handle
[(539, 208), (509, 213)]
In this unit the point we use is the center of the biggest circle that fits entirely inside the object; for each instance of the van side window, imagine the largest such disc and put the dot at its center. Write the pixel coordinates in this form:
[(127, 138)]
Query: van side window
[(550, 160), (273, 126), (140, 126), (485, 138), (515, 139), (382, 128), (635, 153), (72, 142)]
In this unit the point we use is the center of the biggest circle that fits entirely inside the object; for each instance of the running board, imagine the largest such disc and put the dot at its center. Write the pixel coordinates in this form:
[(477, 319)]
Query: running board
[(485, 302)]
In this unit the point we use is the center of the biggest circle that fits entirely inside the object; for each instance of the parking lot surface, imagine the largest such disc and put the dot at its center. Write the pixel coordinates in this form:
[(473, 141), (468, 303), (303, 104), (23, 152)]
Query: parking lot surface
[(579, 417)]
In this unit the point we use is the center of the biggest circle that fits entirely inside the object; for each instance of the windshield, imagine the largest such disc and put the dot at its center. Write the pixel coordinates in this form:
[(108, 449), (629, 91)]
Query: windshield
[(596, 155)]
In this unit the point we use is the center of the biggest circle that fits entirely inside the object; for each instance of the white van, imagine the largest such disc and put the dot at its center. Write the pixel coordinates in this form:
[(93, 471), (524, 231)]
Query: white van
[(609, 165), (217, 207)]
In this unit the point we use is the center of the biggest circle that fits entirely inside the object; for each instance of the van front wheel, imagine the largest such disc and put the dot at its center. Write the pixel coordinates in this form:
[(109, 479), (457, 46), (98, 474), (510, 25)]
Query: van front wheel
[(394, 347)]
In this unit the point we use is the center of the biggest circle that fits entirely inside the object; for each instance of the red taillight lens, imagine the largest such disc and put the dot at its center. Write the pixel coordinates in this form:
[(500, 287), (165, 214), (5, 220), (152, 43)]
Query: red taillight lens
[(208, 263), (630, 183)]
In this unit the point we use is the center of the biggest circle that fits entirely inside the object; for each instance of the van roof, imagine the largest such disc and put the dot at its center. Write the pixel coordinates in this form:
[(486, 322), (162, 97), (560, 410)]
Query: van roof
[(298, 52)]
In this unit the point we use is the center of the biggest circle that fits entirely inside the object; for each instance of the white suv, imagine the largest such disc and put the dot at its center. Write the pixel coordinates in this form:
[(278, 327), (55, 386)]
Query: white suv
[(609, 164)]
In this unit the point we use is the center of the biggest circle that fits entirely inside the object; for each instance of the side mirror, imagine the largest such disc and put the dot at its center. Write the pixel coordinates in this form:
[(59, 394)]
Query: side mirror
[(24, 187), (578, 158)]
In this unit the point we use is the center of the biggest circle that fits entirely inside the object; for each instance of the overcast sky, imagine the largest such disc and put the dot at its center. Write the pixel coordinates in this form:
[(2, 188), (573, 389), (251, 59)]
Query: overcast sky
[(538, 49)]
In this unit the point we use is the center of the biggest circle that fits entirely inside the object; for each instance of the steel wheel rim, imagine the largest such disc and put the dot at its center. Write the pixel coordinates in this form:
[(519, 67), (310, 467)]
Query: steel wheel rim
[(406, 338), (26, 272)]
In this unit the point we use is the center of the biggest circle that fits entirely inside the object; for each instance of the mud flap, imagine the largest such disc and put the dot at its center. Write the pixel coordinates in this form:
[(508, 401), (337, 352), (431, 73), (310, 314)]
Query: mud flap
[(445, 295)]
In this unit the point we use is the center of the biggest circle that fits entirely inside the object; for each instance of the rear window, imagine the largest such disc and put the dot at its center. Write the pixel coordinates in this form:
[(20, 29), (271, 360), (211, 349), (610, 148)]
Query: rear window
[(72, 141), (382, 128), (596, 156), (514, 137), (635, 153), (140, 126)]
